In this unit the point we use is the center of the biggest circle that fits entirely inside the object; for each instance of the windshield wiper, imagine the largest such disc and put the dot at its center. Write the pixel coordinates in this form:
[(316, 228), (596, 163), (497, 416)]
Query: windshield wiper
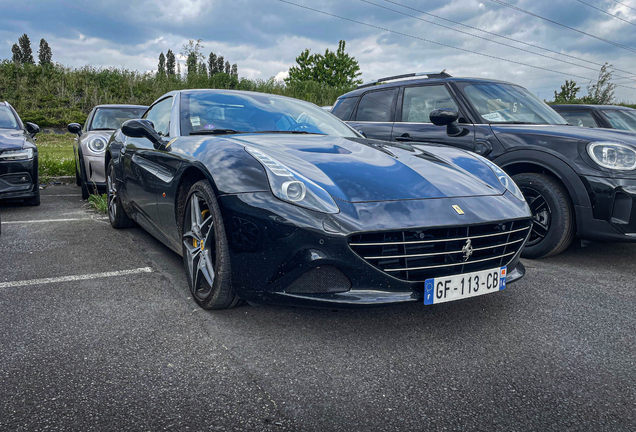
[(100, 129), (216, 132), (513, 122), (290, 132)]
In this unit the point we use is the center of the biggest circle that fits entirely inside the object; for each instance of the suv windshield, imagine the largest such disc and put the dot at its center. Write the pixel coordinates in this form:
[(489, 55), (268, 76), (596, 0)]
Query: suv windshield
[(507, 103), (621, 119), (7, 119), (113, 118), (212, 112)]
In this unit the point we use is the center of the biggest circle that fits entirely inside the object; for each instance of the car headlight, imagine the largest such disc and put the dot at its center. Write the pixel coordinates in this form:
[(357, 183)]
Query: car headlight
[(612, 155), (504, 178), (14, 155), (97, 144), (292, 187)]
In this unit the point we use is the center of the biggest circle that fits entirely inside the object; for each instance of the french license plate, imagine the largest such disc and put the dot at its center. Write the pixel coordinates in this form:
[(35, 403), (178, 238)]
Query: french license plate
[(445, 289)]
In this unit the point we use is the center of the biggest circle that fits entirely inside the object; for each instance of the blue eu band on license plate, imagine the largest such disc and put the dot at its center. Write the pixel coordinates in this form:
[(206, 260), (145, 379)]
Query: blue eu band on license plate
[(450, 288)]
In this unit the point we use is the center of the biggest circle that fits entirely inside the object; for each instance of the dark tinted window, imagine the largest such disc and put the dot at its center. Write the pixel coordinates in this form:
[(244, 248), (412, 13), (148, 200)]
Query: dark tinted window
[(420, 101), (622, 119), (344, 108), (159, 115), (376, 106), (579, 118)]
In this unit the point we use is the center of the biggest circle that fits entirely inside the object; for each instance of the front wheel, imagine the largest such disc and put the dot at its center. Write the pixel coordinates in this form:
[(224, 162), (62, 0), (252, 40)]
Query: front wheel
[(553, 224), (83, 181), (205, 250), (116, 214)]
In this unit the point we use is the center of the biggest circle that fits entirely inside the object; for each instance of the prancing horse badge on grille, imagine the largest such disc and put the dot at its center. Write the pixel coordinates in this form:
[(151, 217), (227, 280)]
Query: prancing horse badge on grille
[(467, 250), (458, 209)]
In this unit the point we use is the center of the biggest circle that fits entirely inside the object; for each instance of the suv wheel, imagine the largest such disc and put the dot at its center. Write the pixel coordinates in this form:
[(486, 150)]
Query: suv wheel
[(553, 227)]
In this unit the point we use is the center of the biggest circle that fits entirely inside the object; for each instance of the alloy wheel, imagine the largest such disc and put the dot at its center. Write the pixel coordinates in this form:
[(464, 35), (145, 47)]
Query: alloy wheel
[(541, 214), (112, 195), (199, 242)]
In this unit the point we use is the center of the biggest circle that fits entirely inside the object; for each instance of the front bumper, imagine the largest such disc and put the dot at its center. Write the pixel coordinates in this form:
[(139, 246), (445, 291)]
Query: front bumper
[(95, 170), (271, 251), (19, 179), (612, 216)]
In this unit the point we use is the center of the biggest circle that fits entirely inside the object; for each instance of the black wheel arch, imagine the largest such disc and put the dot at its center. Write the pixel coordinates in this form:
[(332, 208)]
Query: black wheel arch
[(190, 175), (532, 161)]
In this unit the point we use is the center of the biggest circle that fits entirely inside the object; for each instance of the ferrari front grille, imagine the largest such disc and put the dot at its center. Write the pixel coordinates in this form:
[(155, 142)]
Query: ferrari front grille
[(419, 254)]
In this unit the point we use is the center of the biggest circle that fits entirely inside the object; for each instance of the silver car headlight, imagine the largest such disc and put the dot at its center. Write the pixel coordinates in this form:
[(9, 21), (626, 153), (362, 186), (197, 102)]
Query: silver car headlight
[(292, 187), (504, 178), (97, 144), (613, 156), (15, 155)]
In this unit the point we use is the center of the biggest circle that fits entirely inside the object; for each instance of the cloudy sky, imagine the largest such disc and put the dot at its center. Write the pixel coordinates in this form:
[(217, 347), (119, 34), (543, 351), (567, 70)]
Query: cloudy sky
[(264, 36)]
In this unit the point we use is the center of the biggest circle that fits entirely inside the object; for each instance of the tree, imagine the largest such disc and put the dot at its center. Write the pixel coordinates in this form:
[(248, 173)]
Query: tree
[(191, 64), (17, 54), (334, 69), (161, 67), (45, 55), (212, 66), (220, 64), (193, 48), (234, 71), (228, 68), (203, 69), (170, 63), (25, 47), (602, 92), (568, 93)]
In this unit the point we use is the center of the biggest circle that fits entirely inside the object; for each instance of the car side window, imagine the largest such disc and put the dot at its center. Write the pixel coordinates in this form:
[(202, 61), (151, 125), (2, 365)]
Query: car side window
[(159, 115), (376, 106), (579, 118), (344, 108), (419, 102)]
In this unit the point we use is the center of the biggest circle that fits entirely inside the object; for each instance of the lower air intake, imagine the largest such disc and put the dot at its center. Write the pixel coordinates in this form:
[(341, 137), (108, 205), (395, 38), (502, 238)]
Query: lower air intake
[(320, 280)]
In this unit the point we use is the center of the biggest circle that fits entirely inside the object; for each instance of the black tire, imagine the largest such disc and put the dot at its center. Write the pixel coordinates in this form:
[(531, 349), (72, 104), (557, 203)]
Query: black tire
[(34, 201), (83, 182), (77, 176), (202, 253), (553, 228), (116, 212)]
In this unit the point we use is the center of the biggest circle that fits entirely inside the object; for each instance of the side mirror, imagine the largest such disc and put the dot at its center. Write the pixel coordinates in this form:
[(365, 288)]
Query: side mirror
[(446, 117), (75, 128), (32, 129), (142, 129)]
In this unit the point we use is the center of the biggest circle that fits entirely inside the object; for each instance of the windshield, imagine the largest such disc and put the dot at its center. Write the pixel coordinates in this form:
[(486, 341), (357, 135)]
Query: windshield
[(7, 119), (113, 118), (622, 119), (207, 112), (507, 103)]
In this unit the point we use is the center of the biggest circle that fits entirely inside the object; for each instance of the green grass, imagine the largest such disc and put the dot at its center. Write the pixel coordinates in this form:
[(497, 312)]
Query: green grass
[(99, 202), (55, 155)]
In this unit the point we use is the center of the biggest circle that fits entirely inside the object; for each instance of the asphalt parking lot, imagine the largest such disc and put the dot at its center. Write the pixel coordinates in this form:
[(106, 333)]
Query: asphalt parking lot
[(98, 333)]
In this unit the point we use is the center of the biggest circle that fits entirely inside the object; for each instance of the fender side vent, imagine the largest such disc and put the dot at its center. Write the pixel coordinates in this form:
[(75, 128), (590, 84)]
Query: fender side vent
[(320, 280)]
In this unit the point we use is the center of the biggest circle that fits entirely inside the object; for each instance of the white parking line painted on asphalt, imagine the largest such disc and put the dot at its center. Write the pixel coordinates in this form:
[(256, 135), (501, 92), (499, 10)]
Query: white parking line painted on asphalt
[(53, 220), (75, 278)]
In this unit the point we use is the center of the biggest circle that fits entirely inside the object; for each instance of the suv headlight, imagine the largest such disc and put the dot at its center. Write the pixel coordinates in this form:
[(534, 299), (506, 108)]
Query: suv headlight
[(292, 187), (97, 144), (612, 155), (14, 155), (504, 178)]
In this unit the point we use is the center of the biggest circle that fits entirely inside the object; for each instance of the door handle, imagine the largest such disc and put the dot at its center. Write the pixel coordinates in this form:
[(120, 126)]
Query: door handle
[(404, 137)]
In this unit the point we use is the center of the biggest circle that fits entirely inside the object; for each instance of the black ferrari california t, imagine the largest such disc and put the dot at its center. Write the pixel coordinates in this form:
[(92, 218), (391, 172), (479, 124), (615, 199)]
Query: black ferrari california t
[(271, 199)]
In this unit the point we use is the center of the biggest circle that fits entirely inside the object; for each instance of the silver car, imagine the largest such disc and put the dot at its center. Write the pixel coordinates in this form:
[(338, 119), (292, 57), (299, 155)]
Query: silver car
[(91, 140)]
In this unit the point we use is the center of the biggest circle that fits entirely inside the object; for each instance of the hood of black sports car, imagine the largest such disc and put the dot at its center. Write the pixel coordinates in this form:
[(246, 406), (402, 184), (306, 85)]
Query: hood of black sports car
[(11, 139), (360, 170)]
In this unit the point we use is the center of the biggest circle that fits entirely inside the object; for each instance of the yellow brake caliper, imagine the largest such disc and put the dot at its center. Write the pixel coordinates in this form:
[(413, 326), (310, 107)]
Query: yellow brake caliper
[(195, 243)]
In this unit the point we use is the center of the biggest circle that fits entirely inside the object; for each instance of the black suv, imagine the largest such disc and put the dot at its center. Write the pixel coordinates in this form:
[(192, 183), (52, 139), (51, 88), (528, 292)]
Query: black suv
[(577, 181), (599, 116)]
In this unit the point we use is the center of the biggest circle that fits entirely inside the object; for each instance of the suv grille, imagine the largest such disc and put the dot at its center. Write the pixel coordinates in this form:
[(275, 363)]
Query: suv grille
[(419, 254)]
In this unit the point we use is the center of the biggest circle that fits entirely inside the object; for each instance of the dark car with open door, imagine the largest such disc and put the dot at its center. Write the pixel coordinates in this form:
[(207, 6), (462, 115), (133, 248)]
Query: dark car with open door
[(577, 181)]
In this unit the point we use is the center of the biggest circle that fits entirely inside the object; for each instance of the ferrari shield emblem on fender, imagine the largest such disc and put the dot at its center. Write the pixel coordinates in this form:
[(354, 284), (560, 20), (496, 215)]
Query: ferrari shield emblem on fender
[(458, 209)]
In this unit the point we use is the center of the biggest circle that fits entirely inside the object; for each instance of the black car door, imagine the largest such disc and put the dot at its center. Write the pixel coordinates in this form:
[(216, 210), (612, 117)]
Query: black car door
[(413, 125), (141, 168), (375, 113)]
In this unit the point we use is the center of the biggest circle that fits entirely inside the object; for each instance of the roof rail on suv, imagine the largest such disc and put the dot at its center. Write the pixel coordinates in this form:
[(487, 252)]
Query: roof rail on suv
[(441, 74)]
